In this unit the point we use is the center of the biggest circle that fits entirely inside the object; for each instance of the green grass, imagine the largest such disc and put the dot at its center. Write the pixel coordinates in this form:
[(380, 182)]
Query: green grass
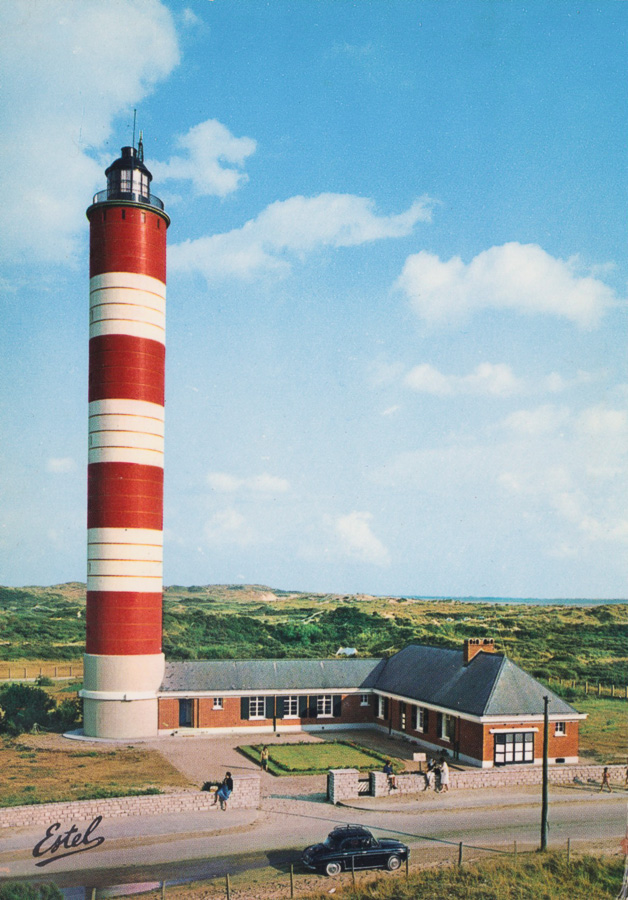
[(317, 758), (604, 734), (533, 877)]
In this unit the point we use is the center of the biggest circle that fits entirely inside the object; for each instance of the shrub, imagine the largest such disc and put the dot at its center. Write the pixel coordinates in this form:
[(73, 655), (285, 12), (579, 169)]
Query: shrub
[(18, 890), (24, 707)]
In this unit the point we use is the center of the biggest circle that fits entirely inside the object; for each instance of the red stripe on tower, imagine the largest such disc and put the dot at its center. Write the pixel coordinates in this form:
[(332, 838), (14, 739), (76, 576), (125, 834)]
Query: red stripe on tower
[(124, 660)]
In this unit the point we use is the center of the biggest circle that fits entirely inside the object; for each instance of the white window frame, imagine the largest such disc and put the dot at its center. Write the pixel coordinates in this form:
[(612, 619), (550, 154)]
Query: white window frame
[(381, 707), (324, 706), (418, 719), (365, 699), (254, 704), (218, 703), (291, 707), (560, 729), (444, 729)]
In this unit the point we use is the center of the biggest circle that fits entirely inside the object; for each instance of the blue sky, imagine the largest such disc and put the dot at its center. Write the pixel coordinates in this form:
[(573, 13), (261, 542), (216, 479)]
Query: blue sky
[(396, 292)]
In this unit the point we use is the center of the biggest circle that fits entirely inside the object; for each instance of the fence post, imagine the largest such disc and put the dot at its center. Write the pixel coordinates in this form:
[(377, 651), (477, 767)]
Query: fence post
[(70, 671), (93, 893), (612, 690), (291, 880), (228, 887), (353, 871), (24, 673), (407, 868), (599, 689), (568, 850), (515, 849), (163, 890), (460, 846), (55, 671), (586, 687)]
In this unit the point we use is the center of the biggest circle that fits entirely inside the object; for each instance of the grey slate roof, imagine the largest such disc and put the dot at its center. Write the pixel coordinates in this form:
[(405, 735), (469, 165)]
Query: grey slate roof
[(270, 674), (490, 685)]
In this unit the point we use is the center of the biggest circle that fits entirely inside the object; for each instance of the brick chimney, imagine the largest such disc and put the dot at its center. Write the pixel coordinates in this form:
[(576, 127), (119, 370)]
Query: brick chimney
[(473, 646)]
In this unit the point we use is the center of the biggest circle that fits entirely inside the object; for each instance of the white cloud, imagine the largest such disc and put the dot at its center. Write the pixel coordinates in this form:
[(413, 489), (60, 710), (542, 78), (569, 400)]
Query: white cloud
[(519, 277), (292, 228), (557, 476), (68, 68), (222, 482), (487, 378), (228, 526), (212, 160), (358, 541), (60, 465)]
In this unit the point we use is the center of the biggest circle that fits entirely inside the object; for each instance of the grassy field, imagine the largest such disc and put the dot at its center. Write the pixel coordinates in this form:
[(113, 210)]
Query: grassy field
[(585, 643), (37, 769), (533, 877), (604, 735), (314, 759)]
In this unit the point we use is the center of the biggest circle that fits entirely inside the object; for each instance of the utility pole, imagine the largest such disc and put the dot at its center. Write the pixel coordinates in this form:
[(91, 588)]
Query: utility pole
[(544, 801)]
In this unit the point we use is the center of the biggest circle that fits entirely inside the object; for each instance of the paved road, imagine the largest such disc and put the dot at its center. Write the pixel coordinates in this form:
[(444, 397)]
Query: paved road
[(185, 846)]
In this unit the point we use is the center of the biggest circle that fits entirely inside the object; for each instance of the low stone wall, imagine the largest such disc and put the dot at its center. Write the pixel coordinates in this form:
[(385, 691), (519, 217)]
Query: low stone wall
[(414, 783), (246, 795)]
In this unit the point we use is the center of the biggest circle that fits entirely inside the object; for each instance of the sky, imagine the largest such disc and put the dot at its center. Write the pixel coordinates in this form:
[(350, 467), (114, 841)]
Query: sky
[(397, 269)]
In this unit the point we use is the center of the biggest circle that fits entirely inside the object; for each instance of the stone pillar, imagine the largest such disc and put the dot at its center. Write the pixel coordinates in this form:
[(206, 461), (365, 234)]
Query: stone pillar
[(343, 785)]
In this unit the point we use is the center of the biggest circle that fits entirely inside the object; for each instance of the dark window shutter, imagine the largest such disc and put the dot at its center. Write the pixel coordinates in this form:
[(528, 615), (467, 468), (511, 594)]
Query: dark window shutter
[(426, 719), (439, 724), (337, 706), (386, 707), (280, 707), (303, 707), (270, 707), (313, 710), (244, 707)]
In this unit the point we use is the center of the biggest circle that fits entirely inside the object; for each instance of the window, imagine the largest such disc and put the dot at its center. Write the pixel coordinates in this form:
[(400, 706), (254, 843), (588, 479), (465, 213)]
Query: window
[(217, 703), (257, 708), (517, 747), (447, 728), (364, 699), (560, 729), (418, 718), (290, 707), (323, 706), (381, 707)]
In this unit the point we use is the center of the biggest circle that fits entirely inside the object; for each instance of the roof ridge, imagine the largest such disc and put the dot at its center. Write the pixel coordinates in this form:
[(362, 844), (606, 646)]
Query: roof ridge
[(502, 666)]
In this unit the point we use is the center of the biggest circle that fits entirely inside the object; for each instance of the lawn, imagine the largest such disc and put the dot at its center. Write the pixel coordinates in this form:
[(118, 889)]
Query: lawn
[(604, 735), (315, 758), (35, 770)]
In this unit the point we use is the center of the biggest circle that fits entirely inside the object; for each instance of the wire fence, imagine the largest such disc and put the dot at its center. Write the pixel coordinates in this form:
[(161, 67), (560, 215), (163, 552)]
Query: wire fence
[(290, 880), (31, 672)]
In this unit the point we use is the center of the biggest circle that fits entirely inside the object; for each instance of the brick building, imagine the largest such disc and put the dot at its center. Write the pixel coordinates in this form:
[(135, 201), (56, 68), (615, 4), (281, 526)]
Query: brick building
[(474, 703)]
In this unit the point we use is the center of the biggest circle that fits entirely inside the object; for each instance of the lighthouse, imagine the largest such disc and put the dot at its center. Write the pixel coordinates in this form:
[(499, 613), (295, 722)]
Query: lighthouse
[(124, 663)]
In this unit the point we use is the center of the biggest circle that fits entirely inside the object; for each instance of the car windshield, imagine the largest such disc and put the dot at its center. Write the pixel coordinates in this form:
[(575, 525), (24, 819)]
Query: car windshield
[(332, 841)]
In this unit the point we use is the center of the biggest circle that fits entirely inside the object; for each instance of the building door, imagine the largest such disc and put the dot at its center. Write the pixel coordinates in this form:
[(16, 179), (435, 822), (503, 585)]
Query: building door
[(514, 749), (185, 713)]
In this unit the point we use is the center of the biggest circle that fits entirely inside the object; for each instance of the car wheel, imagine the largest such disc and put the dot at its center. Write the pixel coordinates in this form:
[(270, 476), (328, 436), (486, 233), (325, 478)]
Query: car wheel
[(393, 863), (333, 868)]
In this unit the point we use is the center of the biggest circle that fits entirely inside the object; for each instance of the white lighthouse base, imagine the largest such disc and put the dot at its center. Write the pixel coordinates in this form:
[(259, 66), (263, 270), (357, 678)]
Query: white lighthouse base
[(120, 695)]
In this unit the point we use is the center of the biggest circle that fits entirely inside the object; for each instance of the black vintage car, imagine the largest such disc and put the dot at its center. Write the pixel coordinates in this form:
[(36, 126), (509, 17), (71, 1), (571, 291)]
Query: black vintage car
[(351, 846)]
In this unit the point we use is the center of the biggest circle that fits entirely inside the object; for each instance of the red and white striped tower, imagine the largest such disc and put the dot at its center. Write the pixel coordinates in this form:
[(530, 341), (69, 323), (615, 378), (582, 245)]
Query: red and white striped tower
[(124, 663)]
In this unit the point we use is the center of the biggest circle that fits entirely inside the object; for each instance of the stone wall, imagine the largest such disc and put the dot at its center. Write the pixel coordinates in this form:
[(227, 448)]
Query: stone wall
[(414, 783), (246, 795)]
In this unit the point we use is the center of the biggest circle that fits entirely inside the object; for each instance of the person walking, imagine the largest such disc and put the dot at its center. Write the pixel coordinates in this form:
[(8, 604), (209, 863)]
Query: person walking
[(606, 781), (264, 758), (224, 791), (444, 776)]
